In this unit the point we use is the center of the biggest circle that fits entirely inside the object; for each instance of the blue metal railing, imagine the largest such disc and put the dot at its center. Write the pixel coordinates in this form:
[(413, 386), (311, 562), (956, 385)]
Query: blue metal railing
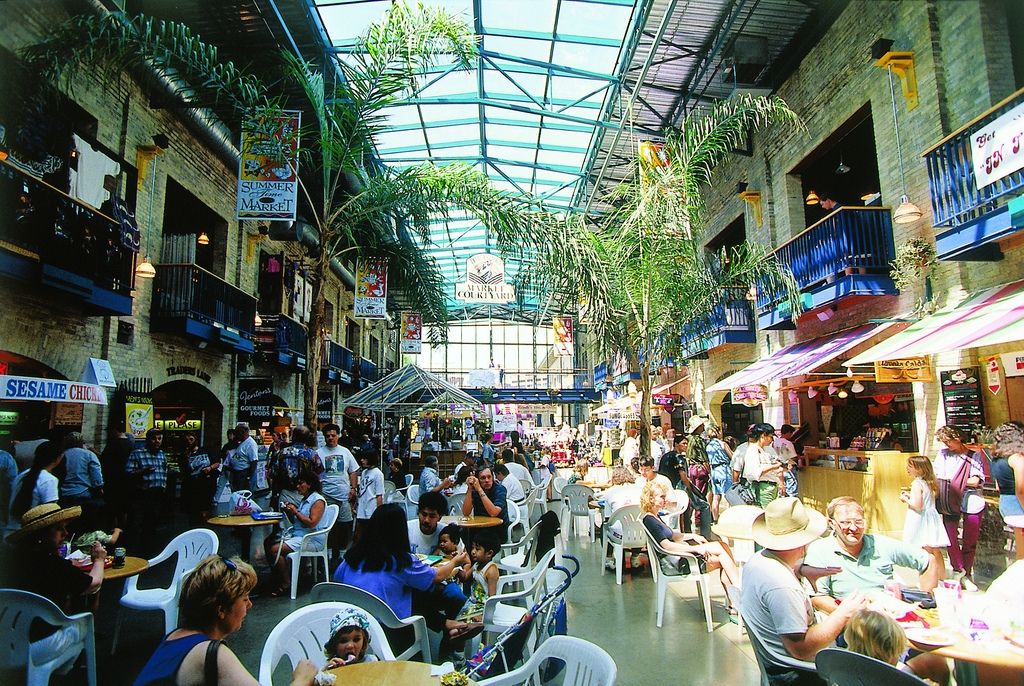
[(339, 357), (187, 290), (367, 370), (63, 231), (732, 313), (290, 336), (956, 198), (849, 240), (561, 379)]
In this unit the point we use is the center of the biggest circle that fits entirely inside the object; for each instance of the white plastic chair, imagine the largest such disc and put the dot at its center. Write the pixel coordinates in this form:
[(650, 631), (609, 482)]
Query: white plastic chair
[(557, 484), (847, 668), (585, 665), (514, 518), (192, 547), (542, 492), (302, 634), (412, 500), (455, 503), (17, 611), (391, 493), (760, 652), (515, 557), (576, 503), (662, 580), (408, 480), (308, 549), (506, 608), (334, 592), (529, 505), (628, 535)]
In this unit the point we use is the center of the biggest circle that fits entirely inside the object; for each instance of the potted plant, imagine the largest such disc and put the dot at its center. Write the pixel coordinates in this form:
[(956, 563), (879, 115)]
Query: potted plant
[(915, 260)]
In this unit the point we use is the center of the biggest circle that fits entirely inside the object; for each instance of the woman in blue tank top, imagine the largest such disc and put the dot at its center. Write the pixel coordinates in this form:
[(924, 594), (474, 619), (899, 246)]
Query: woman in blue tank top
[(213, 604), (1008, 472)]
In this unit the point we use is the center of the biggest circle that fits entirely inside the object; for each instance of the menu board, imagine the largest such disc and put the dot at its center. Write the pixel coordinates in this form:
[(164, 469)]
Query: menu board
[(961, 397)]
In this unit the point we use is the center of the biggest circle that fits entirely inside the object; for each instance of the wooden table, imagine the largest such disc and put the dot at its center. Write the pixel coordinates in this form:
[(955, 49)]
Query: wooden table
[(247, 523), (472, 521), (386, 674), (132, 566)]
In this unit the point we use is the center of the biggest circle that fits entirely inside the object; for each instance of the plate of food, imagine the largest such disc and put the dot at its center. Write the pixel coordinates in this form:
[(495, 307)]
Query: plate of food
[(929, 639)]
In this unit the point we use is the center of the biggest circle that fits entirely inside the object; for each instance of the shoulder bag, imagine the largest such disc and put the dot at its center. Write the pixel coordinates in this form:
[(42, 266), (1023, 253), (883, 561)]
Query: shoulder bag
[(951, 491)]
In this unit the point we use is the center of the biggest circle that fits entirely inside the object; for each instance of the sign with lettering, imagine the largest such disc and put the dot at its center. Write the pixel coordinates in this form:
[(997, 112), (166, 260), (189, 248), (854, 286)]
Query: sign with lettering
[(185, 370), (961, 397), (563, 337), (371, 296), (906, 369), (31, 388), (996, 149), (412, 332), (138, 417), (750, 396), (1013, 364), (255, 400), (324, 406), (268, 165), (485, 281)]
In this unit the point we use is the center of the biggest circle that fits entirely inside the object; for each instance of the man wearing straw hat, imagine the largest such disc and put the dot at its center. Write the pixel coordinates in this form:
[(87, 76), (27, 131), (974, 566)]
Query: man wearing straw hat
[(773, 600), (37, 566)]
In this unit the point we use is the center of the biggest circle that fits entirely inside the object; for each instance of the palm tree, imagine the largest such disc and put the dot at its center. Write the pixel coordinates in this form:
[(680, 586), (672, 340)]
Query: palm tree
[(642, 270), (358, 208)]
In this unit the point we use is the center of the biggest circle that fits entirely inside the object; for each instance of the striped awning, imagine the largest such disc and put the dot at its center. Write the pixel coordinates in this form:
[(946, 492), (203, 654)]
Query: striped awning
[(988, 318), (799, 358)]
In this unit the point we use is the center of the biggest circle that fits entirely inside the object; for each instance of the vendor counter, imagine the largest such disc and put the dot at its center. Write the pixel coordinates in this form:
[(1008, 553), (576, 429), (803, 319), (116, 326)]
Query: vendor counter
[(873, 477), (595, 474), (448, 461)]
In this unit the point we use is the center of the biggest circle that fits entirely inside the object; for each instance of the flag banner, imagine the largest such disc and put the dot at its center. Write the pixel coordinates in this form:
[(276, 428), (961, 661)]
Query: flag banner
[(268, 182), (371, 289), (563, 337), (412, 332)]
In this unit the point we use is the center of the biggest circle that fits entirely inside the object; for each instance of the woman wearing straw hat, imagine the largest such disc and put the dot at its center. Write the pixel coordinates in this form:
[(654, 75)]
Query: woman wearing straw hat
[(773, 600), (38, 567)]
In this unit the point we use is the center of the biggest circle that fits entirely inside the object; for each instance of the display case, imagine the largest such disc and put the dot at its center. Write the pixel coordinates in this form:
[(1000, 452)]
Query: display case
[(873, 477)]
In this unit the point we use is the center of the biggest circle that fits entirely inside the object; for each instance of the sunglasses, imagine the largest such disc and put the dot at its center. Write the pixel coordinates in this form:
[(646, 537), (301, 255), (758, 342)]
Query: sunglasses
[(229, 564)]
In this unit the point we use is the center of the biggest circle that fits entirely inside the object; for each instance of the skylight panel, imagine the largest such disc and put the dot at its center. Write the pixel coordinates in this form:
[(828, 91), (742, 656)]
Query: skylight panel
[(436, 113), (521, 47), (595, 58), (498, 83), (519, 134), (402, 115), (455, 83), (519, 15), (572, 139), (506, 152), (347, 21), (446, 134), (590, 19), (400, 139)]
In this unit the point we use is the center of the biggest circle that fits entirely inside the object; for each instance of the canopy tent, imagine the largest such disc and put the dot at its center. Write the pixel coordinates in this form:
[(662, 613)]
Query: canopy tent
[(991, 317), (407, 390), (447, 402), (799, 358)]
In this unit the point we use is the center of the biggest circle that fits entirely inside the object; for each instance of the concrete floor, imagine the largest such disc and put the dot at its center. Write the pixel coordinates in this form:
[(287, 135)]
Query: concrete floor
[(621, 619)]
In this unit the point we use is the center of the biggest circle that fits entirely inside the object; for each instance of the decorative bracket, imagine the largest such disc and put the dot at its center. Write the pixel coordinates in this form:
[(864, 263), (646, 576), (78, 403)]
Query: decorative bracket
[(753, 198), (143, 155), (251, 241), (902, 63)]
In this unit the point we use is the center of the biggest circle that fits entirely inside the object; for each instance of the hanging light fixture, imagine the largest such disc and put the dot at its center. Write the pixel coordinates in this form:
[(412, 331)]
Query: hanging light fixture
[(842, 393), (812, 198), (843, 168), (857, 387), (257, 320), (812, 392), (793, 397), (145, 269), (832, 389), (203, 239), (907, 212)]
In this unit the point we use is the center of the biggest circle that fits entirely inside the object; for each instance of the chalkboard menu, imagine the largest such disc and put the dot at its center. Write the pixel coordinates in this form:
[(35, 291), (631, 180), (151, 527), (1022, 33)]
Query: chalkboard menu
[(961, 396)]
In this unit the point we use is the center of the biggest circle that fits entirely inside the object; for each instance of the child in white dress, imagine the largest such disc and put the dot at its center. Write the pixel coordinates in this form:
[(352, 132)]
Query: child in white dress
[(923, 525)]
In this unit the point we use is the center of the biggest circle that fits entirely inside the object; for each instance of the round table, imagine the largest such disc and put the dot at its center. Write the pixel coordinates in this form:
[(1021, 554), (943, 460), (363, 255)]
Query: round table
[(386, 673), (472, 521), (247, 523), (132, 566)]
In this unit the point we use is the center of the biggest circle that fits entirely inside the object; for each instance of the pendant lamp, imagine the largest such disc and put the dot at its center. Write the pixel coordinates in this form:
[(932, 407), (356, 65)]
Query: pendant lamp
[(907, 212)]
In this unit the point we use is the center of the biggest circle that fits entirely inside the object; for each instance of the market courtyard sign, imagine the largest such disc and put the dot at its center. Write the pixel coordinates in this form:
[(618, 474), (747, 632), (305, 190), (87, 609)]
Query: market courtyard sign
[(31, 388), (485, 281)]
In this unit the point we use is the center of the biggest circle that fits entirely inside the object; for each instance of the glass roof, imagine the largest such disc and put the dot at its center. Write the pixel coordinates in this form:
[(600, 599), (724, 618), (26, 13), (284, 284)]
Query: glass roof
[(527, 115)]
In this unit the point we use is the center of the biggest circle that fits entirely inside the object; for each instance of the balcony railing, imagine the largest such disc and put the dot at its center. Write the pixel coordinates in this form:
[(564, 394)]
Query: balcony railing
[(956, 198), (730, 321), (189, 299), (290, 336), (338, 362), (540, 380), (55, 239), (367, 371), (849, 241)]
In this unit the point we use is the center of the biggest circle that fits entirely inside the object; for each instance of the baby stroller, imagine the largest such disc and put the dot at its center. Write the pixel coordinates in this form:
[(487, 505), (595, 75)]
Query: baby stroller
[(546, 617)]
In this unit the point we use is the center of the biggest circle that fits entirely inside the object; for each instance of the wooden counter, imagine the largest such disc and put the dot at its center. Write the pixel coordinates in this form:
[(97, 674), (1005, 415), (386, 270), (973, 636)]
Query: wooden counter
[(448, 461), (877, 488)]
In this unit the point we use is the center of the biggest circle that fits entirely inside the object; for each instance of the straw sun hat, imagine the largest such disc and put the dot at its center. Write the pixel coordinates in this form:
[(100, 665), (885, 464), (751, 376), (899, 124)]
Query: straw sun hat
[(786, 524), (41, 517), (696, 421)]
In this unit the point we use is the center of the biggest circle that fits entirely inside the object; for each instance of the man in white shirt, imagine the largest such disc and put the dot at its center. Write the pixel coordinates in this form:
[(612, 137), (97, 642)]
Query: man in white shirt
[(243, 461), (340, 483), (512, 485), (424, 530)]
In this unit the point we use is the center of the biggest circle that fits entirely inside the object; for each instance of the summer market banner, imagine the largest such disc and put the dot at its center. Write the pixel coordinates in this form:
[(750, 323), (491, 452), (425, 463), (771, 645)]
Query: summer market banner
[(412, 332), (268, 182), (563, 337), (371, 289)]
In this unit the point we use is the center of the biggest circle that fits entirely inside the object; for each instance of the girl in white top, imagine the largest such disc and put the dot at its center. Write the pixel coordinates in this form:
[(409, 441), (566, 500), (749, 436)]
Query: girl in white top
[(371, 490), (35, 486), (923, 525)]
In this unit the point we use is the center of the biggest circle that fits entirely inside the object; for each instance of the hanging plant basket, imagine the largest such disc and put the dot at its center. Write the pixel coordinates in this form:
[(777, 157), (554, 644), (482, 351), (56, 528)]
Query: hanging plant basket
[(914, 261), (487, 393)]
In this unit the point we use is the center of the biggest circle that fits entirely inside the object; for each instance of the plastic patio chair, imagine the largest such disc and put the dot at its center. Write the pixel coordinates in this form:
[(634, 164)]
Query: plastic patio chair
[(455, 503), (557, 484), (541, 500), (408, 480), (191, 547), (306, 549), (623, 531), (302, 634), (334, 592), (412, 500), (757, 643), (576, 503), (662, 580), (18, 609), (585, 664), (515, 557), (505, 608), (391, 493), (515, 518), (847, 668)]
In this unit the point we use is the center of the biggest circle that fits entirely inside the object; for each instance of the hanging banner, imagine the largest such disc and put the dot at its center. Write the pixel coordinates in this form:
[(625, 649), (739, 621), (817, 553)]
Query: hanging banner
[(485, 281), (563, 337), (268, 182), (907, 369), (992, 375), (412, 332), (324, 406), (996, 150), (31, 388), (371, 288), (1013, 364)]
